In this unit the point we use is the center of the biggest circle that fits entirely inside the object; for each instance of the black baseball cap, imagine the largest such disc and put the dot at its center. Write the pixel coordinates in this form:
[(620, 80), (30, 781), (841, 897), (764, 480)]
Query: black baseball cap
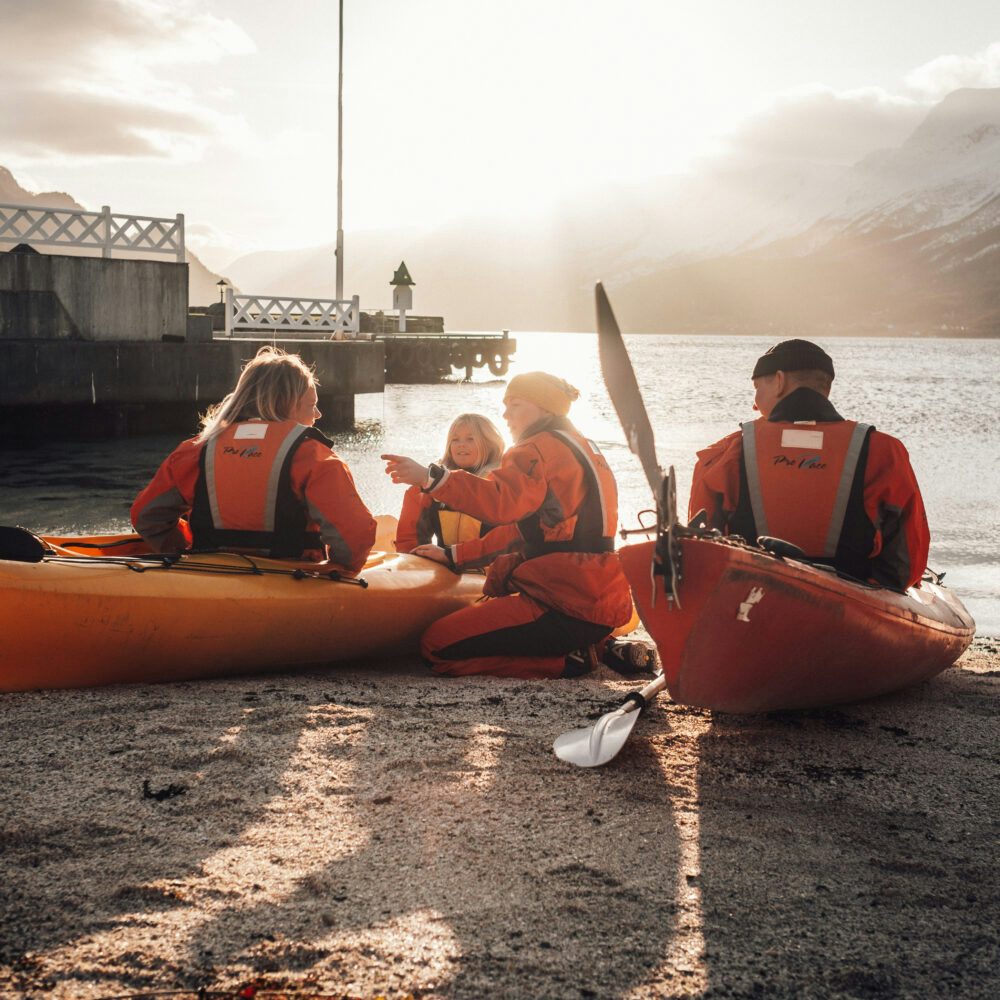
[(793, 356)]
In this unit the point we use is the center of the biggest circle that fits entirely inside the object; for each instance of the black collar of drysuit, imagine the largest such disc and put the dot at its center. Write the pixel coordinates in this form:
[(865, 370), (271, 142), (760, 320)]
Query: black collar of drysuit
[(804, 404)]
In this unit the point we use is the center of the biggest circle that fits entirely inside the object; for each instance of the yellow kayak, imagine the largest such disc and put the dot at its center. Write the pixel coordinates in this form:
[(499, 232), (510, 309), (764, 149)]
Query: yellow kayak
[(103, 610)]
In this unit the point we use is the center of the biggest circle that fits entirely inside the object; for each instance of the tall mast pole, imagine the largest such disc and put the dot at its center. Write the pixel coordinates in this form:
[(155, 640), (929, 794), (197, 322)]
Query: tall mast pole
[(340, 161)]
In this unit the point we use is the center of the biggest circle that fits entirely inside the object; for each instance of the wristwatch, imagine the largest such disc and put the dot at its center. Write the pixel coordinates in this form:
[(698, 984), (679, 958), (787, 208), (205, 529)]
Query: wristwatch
[(435, 473)]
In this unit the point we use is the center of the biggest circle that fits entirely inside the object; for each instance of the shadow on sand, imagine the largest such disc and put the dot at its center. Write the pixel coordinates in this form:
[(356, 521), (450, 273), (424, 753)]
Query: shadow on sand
[(363, 832)]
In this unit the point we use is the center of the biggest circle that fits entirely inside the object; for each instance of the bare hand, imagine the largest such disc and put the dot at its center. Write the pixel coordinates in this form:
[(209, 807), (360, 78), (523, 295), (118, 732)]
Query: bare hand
[(405, 470), (434, 552)]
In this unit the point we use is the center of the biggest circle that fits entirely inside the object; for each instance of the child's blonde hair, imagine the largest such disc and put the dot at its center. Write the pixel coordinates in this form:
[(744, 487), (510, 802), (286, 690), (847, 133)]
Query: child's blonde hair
[(269, 387), (491, 445)]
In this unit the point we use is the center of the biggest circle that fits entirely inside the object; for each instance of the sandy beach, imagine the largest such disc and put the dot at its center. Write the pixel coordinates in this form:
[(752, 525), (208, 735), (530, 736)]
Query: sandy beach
[(377, 831)]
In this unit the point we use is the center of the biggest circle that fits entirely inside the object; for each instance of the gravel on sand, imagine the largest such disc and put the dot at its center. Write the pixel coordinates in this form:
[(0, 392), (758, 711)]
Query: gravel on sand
[(379, 831)]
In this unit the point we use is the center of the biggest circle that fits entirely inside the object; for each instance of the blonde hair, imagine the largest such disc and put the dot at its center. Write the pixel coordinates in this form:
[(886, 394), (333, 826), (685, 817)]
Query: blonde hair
[(269, 387), (491, 445)]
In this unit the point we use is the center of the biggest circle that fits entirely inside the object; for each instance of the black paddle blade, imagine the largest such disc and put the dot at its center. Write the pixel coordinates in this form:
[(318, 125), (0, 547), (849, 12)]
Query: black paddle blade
[(20, 545), (619, 377)]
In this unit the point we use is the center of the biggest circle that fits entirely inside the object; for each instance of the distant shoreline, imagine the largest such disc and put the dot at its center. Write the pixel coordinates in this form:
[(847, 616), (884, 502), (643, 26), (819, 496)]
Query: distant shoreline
[(813, 334)]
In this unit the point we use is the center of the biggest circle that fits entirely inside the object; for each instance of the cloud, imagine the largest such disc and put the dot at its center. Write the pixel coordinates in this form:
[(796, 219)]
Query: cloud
[(817, 124), (947, 73), (91, 79)]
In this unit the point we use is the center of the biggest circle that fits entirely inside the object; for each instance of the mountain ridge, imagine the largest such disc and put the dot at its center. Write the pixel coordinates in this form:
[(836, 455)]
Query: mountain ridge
[(906, 239), (791, 246)]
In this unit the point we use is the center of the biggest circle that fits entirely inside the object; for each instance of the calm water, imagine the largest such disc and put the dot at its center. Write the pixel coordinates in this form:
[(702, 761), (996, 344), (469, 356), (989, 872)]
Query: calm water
[(940, 397)]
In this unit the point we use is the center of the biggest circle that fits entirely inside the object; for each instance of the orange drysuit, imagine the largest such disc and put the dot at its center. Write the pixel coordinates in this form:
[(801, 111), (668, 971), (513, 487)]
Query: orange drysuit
[(555, 579), (843, 492), (274, 487)]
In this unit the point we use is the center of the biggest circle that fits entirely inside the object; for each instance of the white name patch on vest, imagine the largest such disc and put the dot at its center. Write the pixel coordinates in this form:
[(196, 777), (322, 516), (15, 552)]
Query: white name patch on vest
[(801, 439), (254, 432)]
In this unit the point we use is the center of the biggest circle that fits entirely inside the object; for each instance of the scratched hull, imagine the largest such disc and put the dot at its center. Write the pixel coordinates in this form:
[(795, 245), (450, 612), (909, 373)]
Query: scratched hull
[(755, 633), (74, 622)]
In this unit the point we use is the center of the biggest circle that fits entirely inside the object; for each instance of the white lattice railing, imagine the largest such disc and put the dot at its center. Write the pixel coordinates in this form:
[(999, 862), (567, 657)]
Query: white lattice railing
[(307, 317), (104, 230)]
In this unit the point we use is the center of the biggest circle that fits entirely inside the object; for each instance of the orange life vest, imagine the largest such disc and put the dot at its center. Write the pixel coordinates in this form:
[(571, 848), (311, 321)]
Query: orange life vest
[(592, 527), (799, 478), (243, 498)]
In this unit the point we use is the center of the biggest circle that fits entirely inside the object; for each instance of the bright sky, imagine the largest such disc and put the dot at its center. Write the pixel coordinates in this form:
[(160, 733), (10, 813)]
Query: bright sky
[(226, 109)]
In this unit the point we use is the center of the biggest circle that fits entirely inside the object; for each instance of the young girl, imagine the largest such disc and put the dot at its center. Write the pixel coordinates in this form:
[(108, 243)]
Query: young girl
[(474, 445)]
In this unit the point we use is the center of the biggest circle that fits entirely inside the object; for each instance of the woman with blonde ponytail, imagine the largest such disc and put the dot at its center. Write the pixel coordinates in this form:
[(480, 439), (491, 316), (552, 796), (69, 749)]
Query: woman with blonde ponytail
[(259, 478)]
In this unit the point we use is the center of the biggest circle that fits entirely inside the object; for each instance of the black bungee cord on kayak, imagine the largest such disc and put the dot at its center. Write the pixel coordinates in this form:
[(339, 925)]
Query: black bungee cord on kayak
[(18, 544), (175, 561)]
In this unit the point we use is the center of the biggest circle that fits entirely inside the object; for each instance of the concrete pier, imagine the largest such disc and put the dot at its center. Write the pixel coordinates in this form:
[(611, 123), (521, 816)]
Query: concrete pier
[(58, 297), (426, 353), (91, 347), (51, 388)]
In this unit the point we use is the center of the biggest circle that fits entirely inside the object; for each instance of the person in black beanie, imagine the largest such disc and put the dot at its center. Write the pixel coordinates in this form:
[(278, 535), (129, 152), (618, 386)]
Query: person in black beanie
[(840, 490)]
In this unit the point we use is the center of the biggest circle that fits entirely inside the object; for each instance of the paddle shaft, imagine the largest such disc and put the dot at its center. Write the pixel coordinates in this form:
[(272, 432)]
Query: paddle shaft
[(20, 545), (652, 689)]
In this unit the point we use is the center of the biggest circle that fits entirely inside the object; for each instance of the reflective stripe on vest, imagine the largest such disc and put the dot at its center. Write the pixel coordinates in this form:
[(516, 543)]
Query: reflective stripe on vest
[(799, 479), (595, 518), (593, 476)]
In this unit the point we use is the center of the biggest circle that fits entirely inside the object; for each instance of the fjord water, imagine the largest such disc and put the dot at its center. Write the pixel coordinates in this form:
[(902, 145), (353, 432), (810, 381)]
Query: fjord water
[(940, 396)]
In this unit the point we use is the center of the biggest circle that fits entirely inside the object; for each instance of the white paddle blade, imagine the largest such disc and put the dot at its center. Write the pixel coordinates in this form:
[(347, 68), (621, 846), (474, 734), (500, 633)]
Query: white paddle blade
[(597, 744)]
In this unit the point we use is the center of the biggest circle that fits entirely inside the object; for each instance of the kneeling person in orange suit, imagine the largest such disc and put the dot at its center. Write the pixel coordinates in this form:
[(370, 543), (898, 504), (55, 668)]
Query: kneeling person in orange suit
[(555, 580)]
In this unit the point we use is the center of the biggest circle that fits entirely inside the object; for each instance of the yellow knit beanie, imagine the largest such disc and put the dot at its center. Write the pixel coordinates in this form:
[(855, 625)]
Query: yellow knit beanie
[(547, 391)]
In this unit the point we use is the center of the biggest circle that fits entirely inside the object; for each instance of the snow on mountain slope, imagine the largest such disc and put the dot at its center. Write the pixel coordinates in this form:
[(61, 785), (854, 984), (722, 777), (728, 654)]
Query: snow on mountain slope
[(939, 187), (948, 168)]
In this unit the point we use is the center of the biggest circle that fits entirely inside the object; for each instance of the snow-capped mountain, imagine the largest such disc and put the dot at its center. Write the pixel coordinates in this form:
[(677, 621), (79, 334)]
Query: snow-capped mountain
[(947, 169), (905, 239)]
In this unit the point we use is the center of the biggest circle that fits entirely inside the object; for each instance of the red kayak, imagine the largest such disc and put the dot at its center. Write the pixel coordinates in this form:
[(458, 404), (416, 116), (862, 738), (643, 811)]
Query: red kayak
[(755, 632), (747, 629)]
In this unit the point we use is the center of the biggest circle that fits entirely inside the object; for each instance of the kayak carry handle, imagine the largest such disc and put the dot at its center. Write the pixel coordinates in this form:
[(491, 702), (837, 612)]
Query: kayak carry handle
[(17, 544), (779, 547)]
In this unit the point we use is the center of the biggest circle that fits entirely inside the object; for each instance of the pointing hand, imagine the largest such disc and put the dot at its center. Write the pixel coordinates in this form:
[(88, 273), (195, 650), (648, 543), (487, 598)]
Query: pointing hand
[(405, 470)]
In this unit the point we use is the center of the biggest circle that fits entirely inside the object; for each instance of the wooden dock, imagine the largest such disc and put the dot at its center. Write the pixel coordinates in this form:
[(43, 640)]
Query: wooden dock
[(430, 357)]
